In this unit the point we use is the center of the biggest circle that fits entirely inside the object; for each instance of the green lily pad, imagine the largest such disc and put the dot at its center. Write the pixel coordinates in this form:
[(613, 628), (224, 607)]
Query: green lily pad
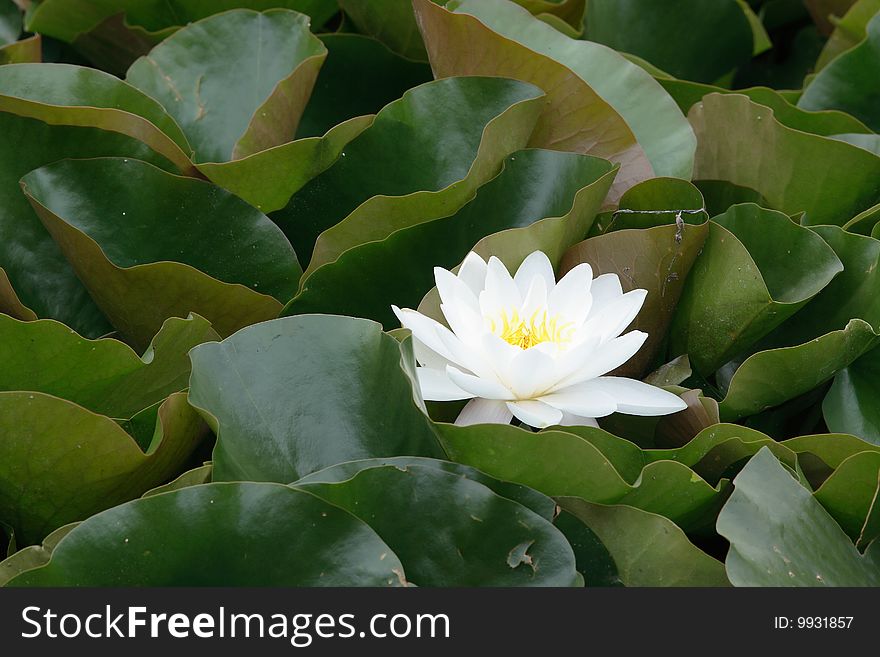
[(571, 465), (864, 222), (575, 117), (222, 534), (658, 125), (26, 51), (194, 477), (781, 536), (215, 255), (852, 405), (268, 179), (392, 22), (849, 492), (848, 31), (62, 94), (593, 560), (360, 76), (230, 100), (449, 530), (769, 378), (104, 376), (10, 22), (658, 33), (397, 173), (32, 556), (741, 141), (68, 19), (825, 13), (756, 270), (824, 122), (648, 549), (541, 504), (852, 293), (60, 462), (657, 259), (571, 12), (717, 449), (848, 82), (295, 395), (534, 184), (553, 236)]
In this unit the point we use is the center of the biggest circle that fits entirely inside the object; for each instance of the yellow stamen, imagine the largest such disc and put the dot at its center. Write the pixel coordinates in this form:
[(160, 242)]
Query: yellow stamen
[(526, 333)]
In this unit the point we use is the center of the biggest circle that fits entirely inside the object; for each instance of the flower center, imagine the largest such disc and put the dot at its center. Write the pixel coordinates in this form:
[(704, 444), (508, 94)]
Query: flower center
[(525, 333)]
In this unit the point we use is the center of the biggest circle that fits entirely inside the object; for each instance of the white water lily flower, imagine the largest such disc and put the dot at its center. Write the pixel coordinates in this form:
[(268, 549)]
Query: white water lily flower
[(531, 348)]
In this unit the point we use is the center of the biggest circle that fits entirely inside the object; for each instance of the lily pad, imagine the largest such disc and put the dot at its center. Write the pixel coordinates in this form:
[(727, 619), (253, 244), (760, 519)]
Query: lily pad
[(756, 270), (658, 33), (449, 530), (225, 534), (847, 83), (268, 179), (571, 465), (848, 31), (26, 51), (781, 536), (541, 504), (360, 76), (657, 259), (397, 173), (216, 255), (295, 395), (849, 492), (62, 463), (533, 185), (68, 19), (38, 281), (575, 117), (741, 141), (62, 94), (661, 131), (392, 22), (852, 293), (32, 556), (10, 22), (852, 405), (672, 559), (769, 378), (104, 376), (229, 99)]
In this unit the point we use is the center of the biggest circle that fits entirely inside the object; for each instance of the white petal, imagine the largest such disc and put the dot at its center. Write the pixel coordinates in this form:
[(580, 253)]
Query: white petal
[(638, 398), (428, 357), (425, 330), (584, 399), (532, 373), (453, 291), (436, 386), (498, 354), (605, 289), (535, 413), (473, 273), (501, 293), (467, 356), (465, 322), (571, 298), (535, 299), (536, 265), (602, 359), (569, 420), (484, 411), (616, 315), (478, 387)]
